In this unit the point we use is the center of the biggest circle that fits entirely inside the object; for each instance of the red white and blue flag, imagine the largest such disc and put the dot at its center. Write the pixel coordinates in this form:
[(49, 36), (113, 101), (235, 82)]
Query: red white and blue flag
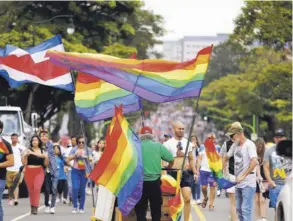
[(19, 66)]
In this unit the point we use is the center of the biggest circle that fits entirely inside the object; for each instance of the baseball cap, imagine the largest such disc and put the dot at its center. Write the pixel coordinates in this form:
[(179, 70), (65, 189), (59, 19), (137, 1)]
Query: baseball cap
[(279, 133), (234, 129), (146, 130), (167, 135)]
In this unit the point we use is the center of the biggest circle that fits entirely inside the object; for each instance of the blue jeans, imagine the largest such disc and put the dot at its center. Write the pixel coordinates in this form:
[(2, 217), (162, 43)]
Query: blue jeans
[(2, 188), (244, 202), (79, 181), (274, 194), (195, 187)]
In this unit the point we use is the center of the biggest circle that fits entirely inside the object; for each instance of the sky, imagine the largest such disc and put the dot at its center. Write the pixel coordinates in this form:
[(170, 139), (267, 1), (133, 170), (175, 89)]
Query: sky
[(196, 17)]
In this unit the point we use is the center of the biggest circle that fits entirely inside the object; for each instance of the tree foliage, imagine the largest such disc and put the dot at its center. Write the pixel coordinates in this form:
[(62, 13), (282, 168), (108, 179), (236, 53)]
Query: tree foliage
[(266, 22), (263, 89)]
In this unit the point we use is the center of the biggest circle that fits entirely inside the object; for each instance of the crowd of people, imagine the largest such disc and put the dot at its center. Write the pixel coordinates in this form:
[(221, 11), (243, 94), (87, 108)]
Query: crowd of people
[(59, 169), (62, 168), (251, 165)]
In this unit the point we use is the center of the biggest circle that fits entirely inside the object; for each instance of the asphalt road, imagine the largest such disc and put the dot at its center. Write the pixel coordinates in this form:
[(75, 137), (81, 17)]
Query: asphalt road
[(63, 212)]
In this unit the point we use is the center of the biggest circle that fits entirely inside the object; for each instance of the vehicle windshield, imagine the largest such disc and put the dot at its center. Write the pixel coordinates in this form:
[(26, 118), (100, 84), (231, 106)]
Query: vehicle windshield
[(11, 122)]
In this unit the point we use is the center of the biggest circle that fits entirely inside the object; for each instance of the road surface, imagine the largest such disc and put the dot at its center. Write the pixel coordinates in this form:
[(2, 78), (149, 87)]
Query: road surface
[(63, 212)]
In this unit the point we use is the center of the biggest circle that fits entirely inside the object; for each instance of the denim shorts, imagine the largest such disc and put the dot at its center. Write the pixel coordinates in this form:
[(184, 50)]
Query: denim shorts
[(206, 178), (274, 194)]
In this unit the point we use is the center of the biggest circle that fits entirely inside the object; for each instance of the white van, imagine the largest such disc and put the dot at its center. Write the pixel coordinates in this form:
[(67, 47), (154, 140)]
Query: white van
[(12, 118)]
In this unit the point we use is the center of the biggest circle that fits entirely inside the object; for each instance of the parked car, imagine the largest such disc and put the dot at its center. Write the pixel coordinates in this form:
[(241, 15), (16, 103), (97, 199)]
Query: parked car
[(284, 204)]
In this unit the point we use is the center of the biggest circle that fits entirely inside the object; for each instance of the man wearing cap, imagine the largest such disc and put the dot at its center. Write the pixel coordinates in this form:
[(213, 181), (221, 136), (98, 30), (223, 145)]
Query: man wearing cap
[(276, 168), (177, 146), (152, 154), (245, 157)]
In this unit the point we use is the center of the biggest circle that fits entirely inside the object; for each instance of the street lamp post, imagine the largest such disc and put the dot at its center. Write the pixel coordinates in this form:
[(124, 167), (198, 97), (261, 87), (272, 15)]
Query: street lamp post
[(70, 30)]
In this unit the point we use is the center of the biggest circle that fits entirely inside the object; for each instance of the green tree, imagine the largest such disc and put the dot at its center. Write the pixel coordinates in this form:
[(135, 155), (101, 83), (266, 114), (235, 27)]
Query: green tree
[(225, 60), (263, 88), (268, 22)]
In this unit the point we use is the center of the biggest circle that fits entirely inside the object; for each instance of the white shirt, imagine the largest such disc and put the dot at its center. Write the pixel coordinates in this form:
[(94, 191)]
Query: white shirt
[(172, 143), (242, 157), (17, 150), (204, 163), (66, 154)]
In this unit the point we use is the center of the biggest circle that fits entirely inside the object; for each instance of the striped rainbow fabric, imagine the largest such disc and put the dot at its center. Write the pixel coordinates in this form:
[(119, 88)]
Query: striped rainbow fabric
[(95, 99), (120, 168), (215, 164), (154, 80)]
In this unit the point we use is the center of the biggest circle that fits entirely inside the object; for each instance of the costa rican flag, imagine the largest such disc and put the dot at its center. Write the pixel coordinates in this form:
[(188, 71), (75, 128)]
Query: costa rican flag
[(19, 66)]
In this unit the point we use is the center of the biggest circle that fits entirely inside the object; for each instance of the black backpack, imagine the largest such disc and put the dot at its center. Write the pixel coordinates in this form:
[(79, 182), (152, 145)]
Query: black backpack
[(229, 143)]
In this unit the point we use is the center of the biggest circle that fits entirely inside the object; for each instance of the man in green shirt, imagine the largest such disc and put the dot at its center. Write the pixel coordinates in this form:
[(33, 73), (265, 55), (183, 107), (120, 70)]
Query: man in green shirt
[(152, 154)]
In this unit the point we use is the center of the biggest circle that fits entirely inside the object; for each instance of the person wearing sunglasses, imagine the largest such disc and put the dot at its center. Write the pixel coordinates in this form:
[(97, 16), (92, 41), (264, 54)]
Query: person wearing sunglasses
[(81, 156), (245, 157)]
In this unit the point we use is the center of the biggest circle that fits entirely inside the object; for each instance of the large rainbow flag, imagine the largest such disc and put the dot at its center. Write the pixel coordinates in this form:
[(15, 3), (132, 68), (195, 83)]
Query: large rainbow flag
[(154, 80), (95, 99), (120, 168), (215, 164)]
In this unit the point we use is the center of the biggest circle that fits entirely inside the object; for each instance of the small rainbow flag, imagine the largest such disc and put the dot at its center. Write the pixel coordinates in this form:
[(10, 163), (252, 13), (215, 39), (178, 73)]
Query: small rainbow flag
[(95, 99), (215, 164), (168, 184), (154, 80), (120, 168), (3, 148)]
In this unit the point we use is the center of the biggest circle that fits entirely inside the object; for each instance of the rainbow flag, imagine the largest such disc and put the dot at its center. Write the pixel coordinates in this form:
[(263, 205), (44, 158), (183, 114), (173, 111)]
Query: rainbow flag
[(168, 184), (176, 205), (215, 164), (120, 168), (154, 80), (95, 99), (3, 149)]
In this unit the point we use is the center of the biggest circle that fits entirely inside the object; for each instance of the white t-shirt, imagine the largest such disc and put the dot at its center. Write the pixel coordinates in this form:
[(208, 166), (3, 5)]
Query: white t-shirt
[(17, 150), (242, 157), (172, 143), (204, 163), (66, 154)]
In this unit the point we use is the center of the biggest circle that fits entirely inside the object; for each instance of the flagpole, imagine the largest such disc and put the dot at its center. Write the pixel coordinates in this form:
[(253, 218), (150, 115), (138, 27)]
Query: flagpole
[(190, 132), (81, 121)]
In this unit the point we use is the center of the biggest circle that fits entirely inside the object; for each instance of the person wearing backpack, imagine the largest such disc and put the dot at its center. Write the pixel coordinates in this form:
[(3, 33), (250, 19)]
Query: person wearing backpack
[(229, 174)]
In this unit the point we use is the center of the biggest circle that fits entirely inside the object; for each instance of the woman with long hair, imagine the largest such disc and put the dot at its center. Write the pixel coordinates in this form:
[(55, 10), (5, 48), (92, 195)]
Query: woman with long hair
[(62, 179), (81, 157), (261, 194), (97, 153), (35, 159)]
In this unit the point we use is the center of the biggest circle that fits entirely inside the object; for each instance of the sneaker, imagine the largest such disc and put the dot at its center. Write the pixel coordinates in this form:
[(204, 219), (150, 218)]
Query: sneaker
[(198, 202), (15, 203), (81, 211), (52, 210), (263, 219), (74, 210), (57, 200), (10, 203), (218, 193), (47, 209), (193, 202), (88, 192), (65, 201)]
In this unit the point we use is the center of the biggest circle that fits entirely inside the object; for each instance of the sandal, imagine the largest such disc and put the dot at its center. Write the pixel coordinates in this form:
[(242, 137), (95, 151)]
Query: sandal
[(211, 208), (204, 203)]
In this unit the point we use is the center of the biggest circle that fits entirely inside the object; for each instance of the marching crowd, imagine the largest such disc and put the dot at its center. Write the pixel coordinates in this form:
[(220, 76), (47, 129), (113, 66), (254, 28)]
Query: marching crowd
[(61, 169)]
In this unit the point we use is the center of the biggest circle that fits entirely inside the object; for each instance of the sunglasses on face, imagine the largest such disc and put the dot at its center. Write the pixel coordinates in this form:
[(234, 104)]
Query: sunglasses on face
[(80, 142)]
